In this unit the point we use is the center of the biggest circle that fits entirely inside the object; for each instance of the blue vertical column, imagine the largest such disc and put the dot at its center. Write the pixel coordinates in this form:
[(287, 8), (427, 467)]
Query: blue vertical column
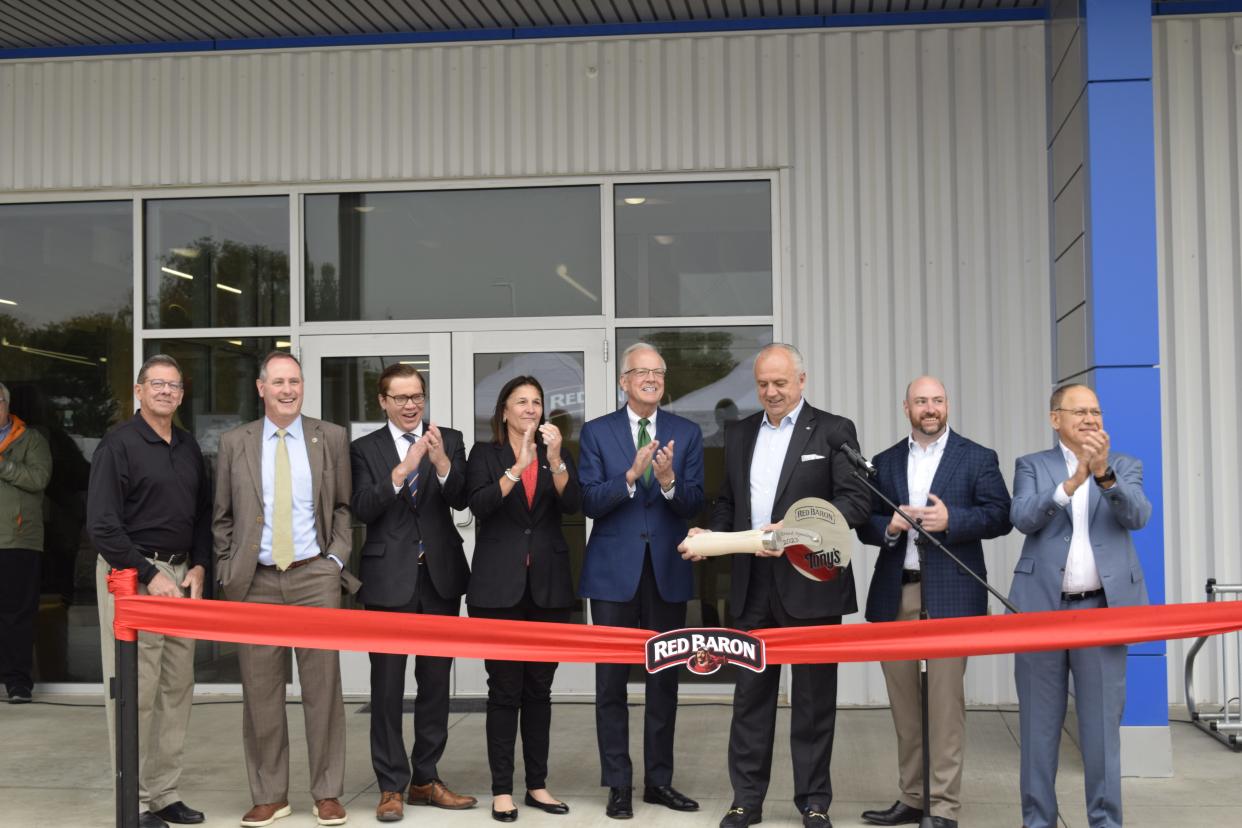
[(1102, 167)]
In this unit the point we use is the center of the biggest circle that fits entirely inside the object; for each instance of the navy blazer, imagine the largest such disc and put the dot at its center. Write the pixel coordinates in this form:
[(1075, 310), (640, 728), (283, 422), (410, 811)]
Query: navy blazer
[(397, 522), (969, 482), (812, 468), (625, 526), (1112, 516), (509, 533)]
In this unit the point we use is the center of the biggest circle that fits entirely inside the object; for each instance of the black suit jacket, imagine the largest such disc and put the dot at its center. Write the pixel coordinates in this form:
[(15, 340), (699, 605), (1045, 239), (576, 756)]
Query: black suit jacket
[(396, 521), (830, 478), (507, 532)]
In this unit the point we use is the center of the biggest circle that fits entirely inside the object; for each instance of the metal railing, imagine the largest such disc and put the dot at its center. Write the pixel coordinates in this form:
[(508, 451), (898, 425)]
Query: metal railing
[(1224, 724)]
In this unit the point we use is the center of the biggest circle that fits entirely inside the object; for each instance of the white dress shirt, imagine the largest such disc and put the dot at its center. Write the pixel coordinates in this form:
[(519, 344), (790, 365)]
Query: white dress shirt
[(403, 445), (305, 542), (1081, 573), (921, 465), (765, 466), (651, 432)]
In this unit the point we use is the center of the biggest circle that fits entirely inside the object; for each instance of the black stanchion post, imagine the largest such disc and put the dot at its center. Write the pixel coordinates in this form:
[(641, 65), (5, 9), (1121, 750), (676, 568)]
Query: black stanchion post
[(124, 692)]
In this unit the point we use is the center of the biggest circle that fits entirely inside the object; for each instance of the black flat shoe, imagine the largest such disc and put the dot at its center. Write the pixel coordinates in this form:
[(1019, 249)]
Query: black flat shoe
[(180, 813), (669, 797), (556, 808), (505, 816)]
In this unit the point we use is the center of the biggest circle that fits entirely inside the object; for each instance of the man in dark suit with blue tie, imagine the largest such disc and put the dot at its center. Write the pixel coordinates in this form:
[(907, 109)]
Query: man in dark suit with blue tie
[(954, 487), (407, 477), (641, 472)]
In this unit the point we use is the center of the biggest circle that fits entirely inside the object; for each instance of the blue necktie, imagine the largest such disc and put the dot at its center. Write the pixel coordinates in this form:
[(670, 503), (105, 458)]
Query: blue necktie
[(412, 480)]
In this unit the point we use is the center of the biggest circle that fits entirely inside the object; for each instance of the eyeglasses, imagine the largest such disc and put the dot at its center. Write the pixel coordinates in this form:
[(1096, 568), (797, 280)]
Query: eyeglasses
[(1081, 412), (405, 399), (643, 373), (160, 385)]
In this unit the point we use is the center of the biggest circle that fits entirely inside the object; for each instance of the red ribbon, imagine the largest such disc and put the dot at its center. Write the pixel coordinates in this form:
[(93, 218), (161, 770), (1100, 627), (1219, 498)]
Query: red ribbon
[(413, 634)]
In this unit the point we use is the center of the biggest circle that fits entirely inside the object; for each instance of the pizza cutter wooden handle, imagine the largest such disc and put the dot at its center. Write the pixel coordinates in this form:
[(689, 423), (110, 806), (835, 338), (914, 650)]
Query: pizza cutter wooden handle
[(711, 544)]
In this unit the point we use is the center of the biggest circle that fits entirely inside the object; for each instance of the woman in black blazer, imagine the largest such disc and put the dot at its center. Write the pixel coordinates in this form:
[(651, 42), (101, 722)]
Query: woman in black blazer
[(520, 484)]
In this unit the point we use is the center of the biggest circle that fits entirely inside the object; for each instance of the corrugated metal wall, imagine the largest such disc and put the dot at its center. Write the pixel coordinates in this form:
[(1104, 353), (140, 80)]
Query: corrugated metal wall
[(1198, 97), (913, 185)]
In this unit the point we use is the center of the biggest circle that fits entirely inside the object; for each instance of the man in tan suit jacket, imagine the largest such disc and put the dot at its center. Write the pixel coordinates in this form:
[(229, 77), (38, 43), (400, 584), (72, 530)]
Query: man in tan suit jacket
[(282, 536)]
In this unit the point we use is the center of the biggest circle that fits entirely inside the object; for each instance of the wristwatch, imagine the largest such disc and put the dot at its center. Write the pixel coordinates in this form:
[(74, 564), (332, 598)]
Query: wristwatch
[(559, 469), (1109, 476), (670, 485)]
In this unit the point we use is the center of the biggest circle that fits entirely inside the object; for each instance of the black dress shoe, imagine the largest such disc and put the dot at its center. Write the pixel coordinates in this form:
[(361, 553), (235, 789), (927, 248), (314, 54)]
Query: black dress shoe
[(620, 803), (146, 819), (899, 814), (943, 822), (739, 817), (813, 818), (19, 695), (505, 816), (554, 808), (669, 797), (180, 813)]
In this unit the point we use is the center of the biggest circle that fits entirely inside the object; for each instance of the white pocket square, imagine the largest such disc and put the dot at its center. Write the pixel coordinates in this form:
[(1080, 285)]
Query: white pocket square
[(806, 457)]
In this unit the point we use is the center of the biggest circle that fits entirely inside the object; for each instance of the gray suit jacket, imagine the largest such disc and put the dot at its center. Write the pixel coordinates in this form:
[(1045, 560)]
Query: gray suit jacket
[(237, 521), (1112, 516)]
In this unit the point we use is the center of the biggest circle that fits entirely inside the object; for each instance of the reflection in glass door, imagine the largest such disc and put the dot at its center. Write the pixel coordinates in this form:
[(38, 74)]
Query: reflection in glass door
[(342, 387), (570, 367)]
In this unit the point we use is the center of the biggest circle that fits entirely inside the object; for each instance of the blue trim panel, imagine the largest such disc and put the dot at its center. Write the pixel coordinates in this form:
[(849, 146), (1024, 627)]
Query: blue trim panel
[(1147, 691), (1200, 7), (1118, 39), (1121, 215), (835, 21)]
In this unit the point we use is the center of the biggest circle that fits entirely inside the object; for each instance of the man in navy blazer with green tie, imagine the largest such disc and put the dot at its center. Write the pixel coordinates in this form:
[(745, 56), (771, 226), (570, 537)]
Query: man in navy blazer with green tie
[(641, 472)]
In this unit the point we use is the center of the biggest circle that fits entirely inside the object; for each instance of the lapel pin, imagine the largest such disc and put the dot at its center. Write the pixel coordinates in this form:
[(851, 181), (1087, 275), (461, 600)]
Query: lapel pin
[(314, 439)]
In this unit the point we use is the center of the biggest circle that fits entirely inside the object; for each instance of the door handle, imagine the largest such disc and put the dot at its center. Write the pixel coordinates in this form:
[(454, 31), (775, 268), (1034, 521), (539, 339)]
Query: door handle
[(462, 524)]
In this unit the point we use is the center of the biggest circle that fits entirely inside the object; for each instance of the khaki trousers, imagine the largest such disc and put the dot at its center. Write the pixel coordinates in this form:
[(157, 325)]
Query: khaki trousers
[(946, 722), (265, 731), (165, 694)]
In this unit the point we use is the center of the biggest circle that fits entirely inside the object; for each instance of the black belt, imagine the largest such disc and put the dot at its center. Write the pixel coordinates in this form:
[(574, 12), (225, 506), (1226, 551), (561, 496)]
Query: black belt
[(910, 576), (174, 558), (1081, 596), (293, 565)]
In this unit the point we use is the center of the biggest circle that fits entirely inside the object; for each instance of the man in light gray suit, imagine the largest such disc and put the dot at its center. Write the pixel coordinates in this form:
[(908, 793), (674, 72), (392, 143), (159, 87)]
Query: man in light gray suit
[(1077, 504), (282, 535)]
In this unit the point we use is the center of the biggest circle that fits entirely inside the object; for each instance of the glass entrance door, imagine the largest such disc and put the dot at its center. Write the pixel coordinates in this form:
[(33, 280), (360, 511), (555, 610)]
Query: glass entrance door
[(570, 366), (342, 374)]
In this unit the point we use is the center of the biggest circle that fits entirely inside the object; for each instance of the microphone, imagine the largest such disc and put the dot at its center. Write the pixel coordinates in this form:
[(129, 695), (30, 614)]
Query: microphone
[(862, 463)]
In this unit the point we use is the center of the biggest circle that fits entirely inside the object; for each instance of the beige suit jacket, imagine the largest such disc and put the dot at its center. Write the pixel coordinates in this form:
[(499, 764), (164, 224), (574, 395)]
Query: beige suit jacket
[(237, 522)]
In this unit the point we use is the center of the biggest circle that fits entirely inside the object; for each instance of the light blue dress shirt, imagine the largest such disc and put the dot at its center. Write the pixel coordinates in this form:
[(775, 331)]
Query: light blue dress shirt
[(765, 465), (305, 543)]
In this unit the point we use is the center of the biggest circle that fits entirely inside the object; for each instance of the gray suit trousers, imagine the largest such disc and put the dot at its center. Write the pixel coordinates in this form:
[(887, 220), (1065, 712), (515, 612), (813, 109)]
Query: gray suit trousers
[(1099, 698)]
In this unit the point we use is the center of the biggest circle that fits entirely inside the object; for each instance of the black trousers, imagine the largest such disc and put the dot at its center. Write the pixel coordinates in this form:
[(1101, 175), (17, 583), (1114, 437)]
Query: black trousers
[(431, 705), (19, 604), (646, 610), (813, 702), (519, 690)]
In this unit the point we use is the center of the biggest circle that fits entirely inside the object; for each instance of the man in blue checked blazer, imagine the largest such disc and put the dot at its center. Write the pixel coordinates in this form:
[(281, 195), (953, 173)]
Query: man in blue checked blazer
[(641, 472), (954, 487), (1078, 505)]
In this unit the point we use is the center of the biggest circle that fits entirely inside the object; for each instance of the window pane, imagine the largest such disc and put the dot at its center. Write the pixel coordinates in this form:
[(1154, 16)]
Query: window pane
[(220, 393), (710, 381), (217, 262), (694, 249), (66, 355), (451, 254)]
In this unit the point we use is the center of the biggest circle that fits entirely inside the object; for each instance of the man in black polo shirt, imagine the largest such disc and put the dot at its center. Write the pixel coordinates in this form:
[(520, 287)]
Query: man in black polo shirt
[(149, 509)]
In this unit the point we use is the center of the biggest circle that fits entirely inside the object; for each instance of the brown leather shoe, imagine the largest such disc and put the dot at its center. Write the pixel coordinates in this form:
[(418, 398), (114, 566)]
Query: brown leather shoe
[(434, 793), (261, 815), (390, 808), (329, 811)]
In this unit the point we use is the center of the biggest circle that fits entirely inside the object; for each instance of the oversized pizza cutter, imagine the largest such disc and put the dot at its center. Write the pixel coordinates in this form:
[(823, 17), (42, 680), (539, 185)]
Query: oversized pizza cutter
[(814, 536)]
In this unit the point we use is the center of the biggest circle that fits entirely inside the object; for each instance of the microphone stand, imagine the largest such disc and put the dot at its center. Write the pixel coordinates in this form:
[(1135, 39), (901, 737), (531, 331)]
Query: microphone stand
[(864, 471)]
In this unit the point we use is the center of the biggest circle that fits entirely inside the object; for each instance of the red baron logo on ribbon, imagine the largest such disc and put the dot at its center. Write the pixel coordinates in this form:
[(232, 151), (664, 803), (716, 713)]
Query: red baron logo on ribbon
[(704, 650)]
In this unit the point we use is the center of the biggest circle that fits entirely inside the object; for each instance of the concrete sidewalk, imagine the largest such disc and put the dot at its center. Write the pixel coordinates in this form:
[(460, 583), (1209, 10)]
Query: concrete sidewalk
[(54, 770)]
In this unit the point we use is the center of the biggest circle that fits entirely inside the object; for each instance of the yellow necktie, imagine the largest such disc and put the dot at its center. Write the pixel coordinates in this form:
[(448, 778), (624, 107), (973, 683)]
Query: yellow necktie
[(282, 507)]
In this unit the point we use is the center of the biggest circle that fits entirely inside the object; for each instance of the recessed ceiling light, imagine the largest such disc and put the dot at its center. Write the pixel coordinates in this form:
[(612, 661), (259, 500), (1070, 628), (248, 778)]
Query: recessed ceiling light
[(635, 200), (229, 288), (7, 302), (177, 273), (363, 208)]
